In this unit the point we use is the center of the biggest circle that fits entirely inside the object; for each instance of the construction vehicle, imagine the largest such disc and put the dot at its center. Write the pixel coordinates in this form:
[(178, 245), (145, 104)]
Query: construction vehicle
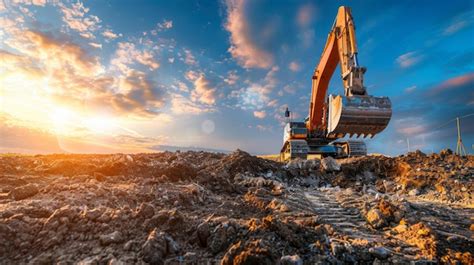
[(334, 116)]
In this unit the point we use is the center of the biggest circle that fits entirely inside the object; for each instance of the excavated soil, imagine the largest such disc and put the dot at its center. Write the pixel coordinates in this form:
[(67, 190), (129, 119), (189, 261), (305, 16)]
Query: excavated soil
[(206, 208)]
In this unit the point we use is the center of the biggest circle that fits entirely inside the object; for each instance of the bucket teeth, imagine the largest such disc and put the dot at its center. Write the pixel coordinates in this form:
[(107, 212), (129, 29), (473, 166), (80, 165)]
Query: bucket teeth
[(358, 115)]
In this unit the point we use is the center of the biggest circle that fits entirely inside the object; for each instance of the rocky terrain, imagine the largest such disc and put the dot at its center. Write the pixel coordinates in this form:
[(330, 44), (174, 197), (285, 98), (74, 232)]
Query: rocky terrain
[(205, 208)]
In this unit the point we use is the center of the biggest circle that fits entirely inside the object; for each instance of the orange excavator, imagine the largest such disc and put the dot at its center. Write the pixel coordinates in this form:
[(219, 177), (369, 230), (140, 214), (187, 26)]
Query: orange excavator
[(334, 116)]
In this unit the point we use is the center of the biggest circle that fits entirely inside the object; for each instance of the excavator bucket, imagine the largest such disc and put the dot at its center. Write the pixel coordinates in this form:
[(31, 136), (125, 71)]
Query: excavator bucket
[(358, 115)]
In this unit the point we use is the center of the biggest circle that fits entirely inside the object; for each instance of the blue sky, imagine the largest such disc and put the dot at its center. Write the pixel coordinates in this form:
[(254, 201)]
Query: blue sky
[(128, 75)]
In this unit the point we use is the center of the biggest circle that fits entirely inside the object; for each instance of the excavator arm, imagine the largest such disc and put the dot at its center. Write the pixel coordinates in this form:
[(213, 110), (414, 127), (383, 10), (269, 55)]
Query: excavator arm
[(357, 112)]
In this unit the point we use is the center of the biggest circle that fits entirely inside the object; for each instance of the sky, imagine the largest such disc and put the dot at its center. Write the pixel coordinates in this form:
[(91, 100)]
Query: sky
[(128, 76)]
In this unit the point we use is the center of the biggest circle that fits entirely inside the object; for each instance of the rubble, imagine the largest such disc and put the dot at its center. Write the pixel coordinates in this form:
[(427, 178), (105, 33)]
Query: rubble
[(198, 207)]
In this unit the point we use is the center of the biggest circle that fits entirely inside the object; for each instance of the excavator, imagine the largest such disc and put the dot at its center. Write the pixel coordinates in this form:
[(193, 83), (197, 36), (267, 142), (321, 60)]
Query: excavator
[(332, 117)]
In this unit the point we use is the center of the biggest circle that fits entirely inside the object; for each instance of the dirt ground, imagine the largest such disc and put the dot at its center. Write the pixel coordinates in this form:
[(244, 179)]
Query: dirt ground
[(206, 208)]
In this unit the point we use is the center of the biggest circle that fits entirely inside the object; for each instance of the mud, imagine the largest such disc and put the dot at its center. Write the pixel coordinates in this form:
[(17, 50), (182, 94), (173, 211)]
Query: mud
[(206, 208)]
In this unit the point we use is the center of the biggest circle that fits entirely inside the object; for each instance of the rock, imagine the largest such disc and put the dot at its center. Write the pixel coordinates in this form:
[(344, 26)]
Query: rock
[(376, 218), (379, 252), (92, 214), (114, 261), (414, 192), (89, 261), (254, 252), (43, 258), (23, 192), (146, 210), (330, 164), (129, 245), (155, 248), (114, 237), (291, 260), (172, 246), (99, 176), (203, 233), (218, 239), (337, 248), (190, 257), (446, 152)]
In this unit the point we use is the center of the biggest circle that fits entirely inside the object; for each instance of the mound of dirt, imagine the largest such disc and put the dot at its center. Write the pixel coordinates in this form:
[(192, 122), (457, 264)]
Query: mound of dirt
[(198, 207)]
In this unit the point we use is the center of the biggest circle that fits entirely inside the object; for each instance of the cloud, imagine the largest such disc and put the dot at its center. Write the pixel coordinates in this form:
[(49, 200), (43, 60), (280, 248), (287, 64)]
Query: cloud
[(408, 59), (95, 45), (140, 98), (260, 114), (455, 27), (182, 105), (305, 15), (181, 86), (77, 19), (31, 2), (191, 75), (453, 83), (20, 137), (231, 78), (127, 54), (203, 91), (294, 66), (458, 23), (189, 58), (264, 128), (247, 53), (166, 24), (66, 74), (410, 89), (257, 95), (53, 55), (109, 34)]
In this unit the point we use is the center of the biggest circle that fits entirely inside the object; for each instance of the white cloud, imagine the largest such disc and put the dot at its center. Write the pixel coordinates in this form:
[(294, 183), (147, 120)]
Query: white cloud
[(127, 53), (95, 45), (231, 78), (203, 91), (191, 75), (182, 105), (243, 48), (260, 114), (77, 19), (166, 24), (109, 34), (305, 15), (409, 59), (410, 89), (294, 66), (263, 128), (460, 22), (189, 58)]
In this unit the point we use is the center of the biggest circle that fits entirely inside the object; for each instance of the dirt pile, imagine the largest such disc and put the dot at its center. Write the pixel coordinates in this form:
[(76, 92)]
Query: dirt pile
[(197, 207)]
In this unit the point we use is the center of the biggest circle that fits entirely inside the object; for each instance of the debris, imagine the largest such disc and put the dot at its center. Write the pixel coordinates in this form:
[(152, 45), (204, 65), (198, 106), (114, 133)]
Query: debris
[(198, 207), (114, 237), (291, 260), (24, 192), (379, 252), (330, 164), (155, 248)]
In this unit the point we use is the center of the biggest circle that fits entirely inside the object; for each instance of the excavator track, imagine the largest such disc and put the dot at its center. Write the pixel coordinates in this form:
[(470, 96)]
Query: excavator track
[(352, 148), (342, 210)]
